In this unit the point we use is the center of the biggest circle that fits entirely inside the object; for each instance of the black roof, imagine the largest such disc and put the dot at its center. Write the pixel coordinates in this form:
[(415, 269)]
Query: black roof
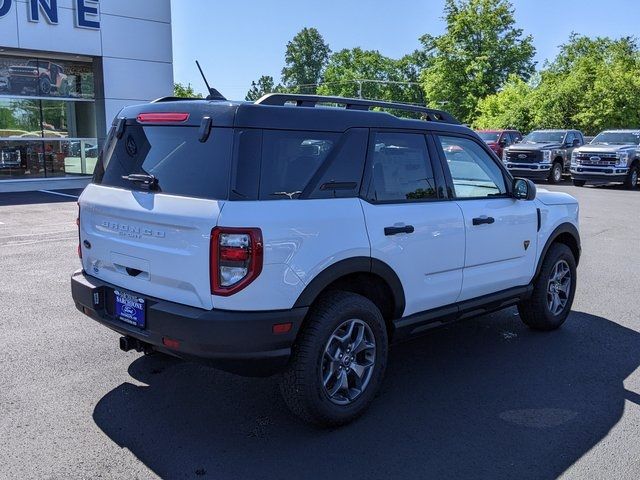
[(276, 111)]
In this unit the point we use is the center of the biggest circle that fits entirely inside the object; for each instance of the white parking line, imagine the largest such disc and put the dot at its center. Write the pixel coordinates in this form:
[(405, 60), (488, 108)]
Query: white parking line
[(58, 193)]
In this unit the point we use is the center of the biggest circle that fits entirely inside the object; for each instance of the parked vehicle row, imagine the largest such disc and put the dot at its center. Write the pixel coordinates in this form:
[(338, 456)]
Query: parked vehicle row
[(612, 156)]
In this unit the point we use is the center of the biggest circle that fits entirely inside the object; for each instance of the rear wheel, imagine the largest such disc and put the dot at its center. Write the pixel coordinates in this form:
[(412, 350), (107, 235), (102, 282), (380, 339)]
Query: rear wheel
[(555, 176), (579, 183), (633, 177), (338, 363), (553, 291)]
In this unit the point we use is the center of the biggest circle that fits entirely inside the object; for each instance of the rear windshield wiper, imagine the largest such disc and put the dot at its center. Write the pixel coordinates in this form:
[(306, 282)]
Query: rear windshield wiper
[(150, 182), (291, 195)]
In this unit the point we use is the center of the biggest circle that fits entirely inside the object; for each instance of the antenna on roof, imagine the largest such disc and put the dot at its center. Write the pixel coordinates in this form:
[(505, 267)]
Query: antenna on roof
[(213, 93)]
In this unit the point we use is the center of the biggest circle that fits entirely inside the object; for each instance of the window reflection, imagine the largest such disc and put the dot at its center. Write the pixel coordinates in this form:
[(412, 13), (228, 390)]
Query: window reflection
[(45, 78), (47, 118)]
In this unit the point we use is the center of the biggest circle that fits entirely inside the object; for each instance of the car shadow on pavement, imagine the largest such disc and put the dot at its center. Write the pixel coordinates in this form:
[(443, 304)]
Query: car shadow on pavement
[(486, 398), (39, 197)]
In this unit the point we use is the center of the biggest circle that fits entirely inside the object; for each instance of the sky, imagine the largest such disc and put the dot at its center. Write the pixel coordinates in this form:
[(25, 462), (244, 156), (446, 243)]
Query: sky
[(238, 41)]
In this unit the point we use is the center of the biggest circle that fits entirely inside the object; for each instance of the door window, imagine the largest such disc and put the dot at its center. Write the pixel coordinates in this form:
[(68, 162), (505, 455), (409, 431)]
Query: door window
[(570, 138), (402, 170), (473, 171)]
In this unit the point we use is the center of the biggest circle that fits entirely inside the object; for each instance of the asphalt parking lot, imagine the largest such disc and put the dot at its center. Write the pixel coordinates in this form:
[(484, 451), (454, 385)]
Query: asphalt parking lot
[(486, 398)]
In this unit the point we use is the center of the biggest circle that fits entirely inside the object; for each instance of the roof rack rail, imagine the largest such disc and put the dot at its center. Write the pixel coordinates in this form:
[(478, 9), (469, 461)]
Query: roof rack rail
[(173, 99), (300, 100)]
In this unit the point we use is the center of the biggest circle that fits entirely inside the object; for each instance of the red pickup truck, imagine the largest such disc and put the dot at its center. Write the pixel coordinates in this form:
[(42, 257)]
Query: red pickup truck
[(498, 140)]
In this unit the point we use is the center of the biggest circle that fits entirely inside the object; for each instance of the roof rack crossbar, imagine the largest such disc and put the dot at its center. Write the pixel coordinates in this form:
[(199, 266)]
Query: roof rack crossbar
[(281, 99)]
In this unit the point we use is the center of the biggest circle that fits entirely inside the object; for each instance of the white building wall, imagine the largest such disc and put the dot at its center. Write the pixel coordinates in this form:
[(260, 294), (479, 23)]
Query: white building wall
[(134, 43)]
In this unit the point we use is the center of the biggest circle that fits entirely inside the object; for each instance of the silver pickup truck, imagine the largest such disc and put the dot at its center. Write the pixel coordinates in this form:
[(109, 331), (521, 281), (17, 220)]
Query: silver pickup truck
[(612, 156)]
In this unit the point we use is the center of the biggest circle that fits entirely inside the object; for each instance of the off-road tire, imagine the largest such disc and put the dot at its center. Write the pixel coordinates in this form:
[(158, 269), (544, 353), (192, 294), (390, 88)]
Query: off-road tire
[(44, 84), (553, 175), (631, 182), (301, 383), (579, 183), (535, 311)]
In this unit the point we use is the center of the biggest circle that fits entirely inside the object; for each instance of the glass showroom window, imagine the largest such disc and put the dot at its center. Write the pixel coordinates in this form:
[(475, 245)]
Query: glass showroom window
[(47, 118)]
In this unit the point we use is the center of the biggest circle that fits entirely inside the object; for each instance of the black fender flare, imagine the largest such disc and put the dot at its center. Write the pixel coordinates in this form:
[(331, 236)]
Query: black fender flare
[(350, 266), (564, 228)]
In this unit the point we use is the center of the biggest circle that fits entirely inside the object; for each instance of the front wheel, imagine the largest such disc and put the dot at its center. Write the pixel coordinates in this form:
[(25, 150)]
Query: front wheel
[(553, 291), (579, 183), (555, 176), (632, 178), (338, 362)]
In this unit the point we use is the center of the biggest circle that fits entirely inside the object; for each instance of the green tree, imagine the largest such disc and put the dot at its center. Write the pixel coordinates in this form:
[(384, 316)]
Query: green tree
[(591, 85), (306, 56), (185, 91), (369, 74), (511, 107), (475, 56), (264, 85)]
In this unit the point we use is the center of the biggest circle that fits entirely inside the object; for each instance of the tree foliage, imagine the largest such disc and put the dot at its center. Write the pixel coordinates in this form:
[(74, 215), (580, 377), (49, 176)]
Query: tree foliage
[(509, 108), (185, 91), (306, 56), (264, 85), (479, 51), (369, 74), (591, 85)]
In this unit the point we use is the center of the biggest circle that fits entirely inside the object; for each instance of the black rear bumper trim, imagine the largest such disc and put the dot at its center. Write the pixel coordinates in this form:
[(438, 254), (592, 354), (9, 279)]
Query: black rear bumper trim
[(240, 342)]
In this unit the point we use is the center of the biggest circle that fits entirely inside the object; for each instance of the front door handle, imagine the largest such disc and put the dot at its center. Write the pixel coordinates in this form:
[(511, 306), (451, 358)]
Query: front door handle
[(389, 231), (484, 220)]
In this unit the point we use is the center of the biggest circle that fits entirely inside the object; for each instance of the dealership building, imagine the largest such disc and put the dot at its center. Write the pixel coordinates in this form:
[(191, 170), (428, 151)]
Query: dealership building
[(67, 67)]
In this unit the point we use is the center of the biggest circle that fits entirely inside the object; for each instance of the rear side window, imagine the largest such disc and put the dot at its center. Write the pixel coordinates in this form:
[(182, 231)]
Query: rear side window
[(290, 159), (401, 169), (174, 155)]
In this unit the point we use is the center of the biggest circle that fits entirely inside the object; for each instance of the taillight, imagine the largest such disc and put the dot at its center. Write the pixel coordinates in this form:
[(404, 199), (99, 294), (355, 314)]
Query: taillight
[(236, 259), (79, 240), (169, 117)]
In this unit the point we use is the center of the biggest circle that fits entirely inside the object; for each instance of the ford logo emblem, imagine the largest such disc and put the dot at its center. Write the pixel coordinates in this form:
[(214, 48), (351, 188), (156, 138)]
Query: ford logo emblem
[(127, 310), (522, 155), (595, 159)]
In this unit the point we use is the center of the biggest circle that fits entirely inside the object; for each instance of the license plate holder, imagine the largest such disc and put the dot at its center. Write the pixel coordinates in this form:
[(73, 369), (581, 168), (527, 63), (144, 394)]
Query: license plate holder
[(130, 308)]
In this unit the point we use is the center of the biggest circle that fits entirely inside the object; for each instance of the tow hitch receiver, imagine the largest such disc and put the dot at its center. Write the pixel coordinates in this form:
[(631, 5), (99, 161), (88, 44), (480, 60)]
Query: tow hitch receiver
[(129, 343)]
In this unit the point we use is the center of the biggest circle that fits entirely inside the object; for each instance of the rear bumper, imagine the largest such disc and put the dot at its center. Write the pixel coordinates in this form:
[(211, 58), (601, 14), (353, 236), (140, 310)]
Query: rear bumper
[(236, 341)]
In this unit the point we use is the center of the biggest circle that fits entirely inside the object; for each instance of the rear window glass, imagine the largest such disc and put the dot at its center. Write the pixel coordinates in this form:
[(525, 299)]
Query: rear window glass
[(290, 159), (175, 156)]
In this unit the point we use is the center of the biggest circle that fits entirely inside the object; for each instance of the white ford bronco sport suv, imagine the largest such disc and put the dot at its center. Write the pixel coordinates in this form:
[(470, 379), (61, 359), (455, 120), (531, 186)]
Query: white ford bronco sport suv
[(285, 236)]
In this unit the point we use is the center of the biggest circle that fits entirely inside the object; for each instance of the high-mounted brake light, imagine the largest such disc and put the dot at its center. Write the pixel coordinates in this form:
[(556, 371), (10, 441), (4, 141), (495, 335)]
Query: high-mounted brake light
[(236, 259), (159, 117)]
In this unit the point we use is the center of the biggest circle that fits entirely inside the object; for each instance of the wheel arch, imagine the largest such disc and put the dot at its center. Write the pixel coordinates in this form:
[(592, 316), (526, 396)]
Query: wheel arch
[(345, 274), (565, 233)]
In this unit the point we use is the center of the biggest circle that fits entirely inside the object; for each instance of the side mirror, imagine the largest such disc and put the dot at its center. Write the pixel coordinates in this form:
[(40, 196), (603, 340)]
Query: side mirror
[(523, 189), (576, 143)]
